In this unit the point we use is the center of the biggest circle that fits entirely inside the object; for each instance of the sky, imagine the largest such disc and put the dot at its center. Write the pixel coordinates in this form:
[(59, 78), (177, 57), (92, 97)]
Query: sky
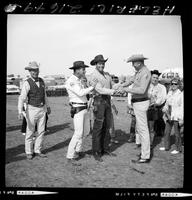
[(56, 41)]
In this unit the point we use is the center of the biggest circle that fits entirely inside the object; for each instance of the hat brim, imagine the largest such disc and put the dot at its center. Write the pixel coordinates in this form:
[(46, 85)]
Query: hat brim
[(84, 66), (93, 62), (30, 68), (158, 74), (136, 59)]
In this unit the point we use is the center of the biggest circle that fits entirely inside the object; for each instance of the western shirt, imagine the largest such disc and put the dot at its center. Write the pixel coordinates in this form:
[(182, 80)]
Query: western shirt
[(157, 93), (141, 83), (76, 90), (104, 85)]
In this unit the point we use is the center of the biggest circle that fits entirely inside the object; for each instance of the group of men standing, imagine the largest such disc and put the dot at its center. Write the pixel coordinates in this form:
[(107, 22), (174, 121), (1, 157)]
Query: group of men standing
[(100, 87)]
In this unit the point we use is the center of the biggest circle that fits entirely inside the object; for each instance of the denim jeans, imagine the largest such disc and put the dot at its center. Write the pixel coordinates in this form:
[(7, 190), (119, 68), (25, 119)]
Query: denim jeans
[(168, 128), (101, 126)]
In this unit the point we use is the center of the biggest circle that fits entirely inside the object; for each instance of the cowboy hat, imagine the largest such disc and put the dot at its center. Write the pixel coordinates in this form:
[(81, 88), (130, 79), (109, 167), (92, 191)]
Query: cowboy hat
[(98, 58), (155, 72), (136, 57), (32, 65), (78, 64)]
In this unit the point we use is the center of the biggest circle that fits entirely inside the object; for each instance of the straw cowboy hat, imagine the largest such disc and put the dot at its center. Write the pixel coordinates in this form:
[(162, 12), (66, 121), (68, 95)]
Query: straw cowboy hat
[(78, 64), (98, 58), (136, 57), (155, 72), (32, 65)]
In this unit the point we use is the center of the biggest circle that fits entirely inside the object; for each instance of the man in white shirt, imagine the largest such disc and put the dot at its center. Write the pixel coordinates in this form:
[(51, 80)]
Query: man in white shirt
[(157, 94), (78, 101), (33, 90)]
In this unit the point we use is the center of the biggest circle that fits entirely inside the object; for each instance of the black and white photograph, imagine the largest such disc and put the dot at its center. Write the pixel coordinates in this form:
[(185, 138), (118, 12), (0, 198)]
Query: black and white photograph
[(94, 101)]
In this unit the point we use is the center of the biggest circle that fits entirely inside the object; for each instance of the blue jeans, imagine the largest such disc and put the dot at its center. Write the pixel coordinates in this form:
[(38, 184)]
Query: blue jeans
[(101, 126), (168, 127)]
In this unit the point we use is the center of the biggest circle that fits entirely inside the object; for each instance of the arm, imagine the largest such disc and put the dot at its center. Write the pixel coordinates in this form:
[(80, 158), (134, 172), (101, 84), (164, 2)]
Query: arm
[(128, 82), (143, 86), (23, 98), (75, 88), (102, 90)]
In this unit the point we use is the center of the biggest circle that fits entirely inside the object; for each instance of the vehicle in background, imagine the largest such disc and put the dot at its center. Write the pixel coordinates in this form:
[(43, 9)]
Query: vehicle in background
[(12, 89)]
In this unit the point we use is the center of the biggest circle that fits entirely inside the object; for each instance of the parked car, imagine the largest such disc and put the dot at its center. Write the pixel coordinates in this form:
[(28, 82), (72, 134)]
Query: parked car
[(13, 89)]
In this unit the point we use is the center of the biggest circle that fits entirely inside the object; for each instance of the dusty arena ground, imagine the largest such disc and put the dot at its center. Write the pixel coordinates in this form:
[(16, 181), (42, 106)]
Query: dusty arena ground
[(164, 170)]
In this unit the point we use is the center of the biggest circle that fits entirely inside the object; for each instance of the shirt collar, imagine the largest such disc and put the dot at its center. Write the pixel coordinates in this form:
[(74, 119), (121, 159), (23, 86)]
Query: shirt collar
[(75, 77), (34, 79)]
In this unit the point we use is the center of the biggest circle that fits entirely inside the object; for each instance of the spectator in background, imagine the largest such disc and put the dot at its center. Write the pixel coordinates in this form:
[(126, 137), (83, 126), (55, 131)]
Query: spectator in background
[(173, 115), (157, 94), (181, 87)]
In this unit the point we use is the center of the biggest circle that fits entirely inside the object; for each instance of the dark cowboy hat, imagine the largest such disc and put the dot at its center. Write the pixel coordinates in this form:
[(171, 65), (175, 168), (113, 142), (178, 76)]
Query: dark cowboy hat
[(78, 64), (32, 65), (136, 57), (155, 72), (98, 58)]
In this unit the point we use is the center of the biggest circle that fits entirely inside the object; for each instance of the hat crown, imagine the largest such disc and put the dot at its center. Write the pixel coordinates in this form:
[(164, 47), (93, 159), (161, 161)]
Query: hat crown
[(99, 57), (155, 72), (78, 64), (136, 57), (33, 64)]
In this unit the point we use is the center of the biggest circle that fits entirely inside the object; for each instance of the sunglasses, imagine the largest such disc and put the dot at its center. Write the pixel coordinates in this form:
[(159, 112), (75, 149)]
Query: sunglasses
[(174, 84)]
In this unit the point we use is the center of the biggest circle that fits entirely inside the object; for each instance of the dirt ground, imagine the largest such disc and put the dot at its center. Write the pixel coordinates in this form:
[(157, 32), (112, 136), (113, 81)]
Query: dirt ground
[(164, 170)]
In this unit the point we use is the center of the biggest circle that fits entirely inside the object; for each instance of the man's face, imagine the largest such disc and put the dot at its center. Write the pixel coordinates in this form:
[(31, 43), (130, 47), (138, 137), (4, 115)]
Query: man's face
[(137, 65), (100, 66), (154, 79), (34, 73), (82, 71)]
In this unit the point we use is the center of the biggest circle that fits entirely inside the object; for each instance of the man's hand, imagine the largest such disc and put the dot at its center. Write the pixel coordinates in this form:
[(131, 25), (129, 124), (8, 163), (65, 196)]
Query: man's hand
[(94, 82), (20, 116), (48, 110)]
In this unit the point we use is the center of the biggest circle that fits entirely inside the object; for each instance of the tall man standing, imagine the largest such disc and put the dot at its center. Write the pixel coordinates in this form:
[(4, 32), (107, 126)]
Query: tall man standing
[(78, 101), (140, 103), (102, 109), (33, 91)]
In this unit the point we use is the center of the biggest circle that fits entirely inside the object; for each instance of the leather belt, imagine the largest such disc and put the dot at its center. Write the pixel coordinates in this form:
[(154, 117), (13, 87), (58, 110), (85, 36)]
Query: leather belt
[(79, 103), (139, 99)]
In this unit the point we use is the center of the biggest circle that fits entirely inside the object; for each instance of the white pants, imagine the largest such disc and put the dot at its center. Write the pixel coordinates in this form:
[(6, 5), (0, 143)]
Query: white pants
[(34, 115), (140, 110), (81, 123)]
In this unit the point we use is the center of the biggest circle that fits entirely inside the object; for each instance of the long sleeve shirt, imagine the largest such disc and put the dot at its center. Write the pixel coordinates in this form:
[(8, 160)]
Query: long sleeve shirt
[(76, 90), (157, 94), (104, 85), (174, 100), (24, 95), (141, 83)]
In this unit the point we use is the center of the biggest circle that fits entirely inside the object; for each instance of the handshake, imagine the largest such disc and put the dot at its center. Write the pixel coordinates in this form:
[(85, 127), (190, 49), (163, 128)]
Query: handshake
[(119, 90)]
